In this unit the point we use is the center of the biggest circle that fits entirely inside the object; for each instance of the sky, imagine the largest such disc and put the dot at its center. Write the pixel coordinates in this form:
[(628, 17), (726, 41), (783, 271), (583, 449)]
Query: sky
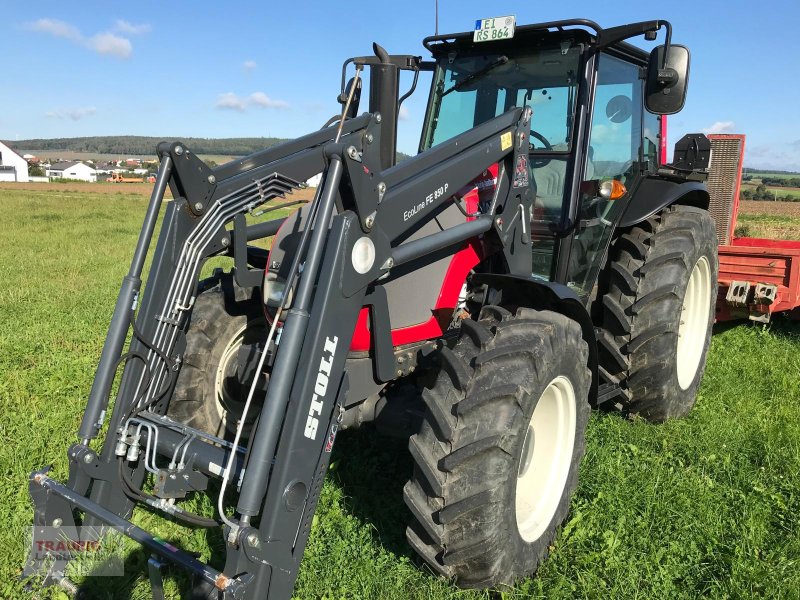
[(202, 69)]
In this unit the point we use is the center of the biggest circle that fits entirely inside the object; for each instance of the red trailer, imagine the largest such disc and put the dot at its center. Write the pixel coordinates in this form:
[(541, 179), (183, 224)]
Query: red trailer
[(757, 277)]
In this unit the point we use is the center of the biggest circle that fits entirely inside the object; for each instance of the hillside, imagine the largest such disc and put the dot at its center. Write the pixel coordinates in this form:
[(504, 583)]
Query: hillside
[(143, 145), (107, 146)]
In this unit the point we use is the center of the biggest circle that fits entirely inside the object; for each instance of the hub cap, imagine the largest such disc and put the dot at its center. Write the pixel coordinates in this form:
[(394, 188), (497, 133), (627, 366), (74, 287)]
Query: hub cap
[(694, 322), (545, 459)]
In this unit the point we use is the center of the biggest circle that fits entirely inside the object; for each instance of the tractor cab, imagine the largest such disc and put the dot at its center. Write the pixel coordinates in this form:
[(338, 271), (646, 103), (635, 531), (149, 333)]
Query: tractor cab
[(592, 138)]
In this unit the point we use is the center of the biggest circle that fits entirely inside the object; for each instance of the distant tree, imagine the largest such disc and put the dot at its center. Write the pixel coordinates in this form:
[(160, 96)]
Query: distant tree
[(35, 170)]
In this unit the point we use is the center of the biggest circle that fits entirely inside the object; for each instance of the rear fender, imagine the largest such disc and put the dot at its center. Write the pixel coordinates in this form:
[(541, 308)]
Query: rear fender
[(656, 193), (546, 295)]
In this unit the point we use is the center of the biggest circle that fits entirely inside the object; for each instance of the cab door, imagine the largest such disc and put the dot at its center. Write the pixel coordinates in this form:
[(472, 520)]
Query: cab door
[(615, 154)]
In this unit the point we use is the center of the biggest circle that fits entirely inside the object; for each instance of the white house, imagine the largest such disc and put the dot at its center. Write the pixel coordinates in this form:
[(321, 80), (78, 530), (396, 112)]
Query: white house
[(72, 170), (12, 166)]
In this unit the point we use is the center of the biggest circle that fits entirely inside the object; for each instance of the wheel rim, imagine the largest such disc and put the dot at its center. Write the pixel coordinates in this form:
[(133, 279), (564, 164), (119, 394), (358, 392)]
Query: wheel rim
[(230, 391), (545, 459), (694, 322)]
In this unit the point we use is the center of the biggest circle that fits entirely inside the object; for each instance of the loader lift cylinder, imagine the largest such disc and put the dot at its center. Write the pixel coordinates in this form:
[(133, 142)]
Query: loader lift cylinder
[(280, 385), (120, 320)]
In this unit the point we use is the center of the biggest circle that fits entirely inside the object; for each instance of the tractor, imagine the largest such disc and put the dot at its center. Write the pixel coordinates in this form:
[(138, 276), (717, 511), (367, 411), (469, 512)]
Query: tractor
[(536, 258)]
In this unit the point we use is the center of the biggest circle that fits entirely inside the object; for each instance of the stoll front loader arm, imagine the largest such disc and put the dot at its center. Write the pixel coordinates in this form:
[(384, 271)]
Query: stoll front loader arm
[(364, 206)]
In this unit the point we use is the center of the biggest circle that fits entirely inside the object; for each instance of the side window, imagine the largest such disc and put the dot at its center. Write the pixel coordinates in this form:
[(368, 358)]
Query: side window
[(615, 138), (615, 152)]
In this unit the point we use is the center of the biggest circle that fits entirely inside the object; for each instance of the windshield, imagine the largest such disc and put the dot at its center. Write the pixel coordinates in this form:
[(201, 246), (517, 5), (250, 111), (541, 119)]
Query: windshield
[(472, 89)]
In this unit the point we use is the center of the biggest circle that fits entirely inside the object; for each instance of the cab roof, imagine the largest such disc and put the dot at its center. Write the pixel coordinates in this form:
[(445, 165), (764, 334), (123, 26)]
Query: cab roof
[(577, 29)]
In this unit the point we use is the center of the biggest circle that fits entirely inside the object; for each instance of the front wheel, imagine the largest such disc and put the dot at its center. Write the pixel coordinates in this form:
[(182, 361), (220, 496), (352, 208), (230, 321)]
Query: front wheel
[(497, 455), (222, 342)]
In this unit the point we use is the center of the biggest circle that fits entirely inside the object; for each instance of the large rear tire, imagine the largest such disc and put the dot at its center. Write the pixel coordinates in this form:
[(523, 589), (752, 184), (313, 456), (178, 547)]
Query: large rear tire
[(658, 311), (497, 455), (226, 325)]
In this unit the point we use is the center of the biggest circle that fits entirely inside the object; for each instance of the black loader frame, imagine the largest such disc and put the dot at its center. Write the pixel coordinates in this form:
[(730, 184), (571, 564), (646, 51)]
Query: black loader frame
[(364, 200)]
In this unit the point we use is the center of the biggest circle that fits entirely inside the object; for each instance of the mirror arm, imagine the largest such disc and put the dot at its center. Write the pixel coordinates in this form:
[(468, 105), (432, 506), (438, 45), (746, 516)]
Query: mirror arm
[(667, 42), (667, 76)]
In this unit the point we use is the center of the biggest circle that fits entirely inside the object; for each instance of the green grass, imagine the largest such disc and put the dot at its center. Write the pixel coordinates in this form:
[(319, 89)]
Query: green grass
[(782, 227), (760, 174), (708, 506)]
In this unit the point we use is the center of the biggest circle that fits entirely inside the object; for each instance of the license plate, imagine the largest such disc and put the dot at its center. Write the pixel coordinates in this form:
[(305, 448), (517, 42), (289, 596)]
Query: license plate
[(496, 28)]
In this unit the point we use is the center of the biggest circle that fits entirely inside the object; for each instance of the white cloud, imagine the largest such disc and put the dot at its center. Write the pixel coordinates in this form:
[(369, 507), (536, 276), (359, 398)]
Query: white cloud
[(130, 28), (261, 100), (403, 114), (56, 28), (75, 114), (720, 127), (108, 43), (231, 101), (249, 66), (773, 156), (102, 43)]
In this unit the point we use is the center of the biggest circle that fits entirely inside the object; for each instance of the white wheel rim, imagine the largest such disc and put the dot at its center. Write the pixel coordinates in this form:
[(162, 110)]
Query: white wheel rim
[(219, 381), (545, 459), (693, 326), (224, 403)]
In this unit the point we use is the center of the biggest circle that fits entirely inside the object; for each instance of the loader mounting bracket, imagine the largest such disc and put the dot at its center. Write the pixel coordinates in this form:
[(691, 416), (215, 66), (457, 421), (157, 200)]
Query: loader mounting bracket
[(192, 178)]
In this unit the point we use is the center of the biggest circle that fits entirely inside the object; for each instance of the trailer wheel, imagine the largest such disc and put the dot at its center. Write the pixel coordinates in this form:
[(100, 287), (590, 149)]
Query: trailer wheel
[(226, 325), (658, 311), (497, 455)]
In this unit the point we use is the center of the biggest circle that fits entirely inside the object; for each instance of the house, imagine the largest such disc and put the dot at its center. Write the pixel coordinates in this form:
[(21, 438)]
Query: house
[(12, 166), (72, 170)]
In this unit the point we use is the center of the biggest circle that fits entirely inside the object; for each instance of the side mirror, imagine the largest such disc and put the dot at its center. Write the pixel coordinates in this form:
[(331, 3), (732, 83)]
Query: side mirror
[(665, 92)]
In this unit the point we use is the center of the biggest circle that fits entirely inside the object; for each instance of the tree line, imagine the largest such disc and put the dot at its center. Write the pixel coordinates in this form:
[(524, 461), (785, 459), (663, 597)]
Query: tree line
[(763, 193), (145, 145)]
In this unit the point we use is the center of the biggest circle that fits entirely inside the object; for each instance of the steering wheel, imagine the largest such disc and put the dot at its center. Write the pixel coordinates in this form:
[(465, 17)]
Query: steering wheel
[(541, 138)]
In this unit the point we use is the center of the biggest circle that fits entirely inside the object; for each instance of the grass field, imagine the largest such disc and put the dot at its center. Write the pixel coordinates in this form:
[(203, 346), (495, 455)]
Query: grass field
[(760, 174), (708, 506), (776, 220)]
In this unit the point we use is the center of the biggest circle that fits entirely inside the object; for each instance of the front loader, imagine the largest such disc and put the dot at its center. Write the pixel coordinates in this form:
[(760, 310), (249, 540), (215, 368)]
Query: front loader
[(535, 258)]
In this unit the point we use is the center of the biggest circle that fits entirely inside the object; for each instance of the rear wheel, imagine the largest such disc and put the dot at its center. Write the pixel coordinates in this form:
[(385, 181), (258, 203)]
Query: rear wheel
[(658, 311), (226, 326), (497, 455)]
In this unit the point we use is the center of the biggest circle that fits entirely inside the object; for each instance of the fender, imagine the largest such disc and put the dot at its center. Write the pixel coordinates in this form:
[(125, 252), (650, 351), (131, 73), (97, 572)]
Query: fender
[(546, 295), (655, 193)]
